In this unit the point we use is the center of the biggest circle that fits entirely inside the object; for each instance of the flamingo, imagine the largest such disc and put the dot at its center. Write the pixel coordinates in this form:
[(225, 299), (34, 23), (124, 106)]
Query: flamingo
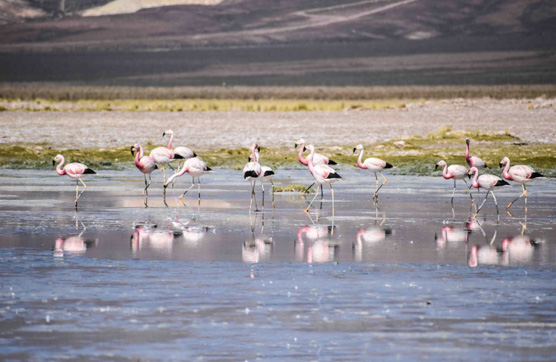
[(323, 174), (196, 168), (266, 176), (374, 165), (251, 172), (318, 159), (183, 151), (486, 255), (75, 171), (488, 182), (456, 172), (164, 155), (145, 164), (473, 161), (520, 174)]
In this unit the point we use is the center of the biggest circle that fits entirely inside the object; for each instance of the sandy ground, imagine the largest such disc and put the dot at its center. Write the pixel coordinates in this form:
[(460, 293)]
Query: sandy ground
[(530, 120)]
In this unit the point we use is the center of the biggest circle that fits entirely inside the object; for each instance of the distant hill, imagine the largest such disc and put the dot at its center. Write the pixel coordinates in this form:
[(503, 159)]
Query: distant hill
[(285, 42)]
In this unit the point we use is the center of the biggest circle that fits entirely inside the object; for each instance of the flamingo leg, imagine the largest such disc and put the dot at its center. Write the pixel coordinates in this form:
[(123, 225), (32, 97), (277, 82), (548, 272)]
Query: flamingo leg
[(495, 203), (199, 188), (190, 187), (81, 193), (253, 196), (272, 192), (307, 189), (262, 188), (480, 207), (517, 198), (468, 190), (311, 203), (453, 193), (376, 178), (332, 191)]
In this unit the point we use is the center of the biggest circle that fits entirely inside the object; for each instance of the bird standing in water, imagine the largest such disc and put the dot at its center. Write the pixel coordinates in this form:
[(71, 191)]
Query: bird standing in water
[(75, 171)]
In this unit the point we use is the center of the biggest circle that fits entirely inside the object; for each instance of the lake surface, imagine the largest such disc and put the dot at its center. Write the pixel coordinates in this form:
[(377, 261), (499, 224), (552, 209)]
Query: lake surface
[(409, 280)]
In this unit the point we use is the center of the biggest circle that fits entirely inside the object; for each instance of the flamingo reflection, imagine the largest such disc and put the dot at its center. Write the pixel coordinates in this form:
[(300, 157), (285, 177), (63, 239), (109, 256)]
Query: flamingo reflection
[(73, 245), (451, 235), (366, 237), (145, 236), (320, 246)]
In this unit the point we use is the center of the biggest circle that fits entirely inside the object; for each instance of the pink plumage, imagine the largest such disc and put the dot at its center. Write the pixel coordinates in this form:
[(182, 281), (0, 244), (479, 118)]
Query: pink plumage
[(473, 161), (75, 171)]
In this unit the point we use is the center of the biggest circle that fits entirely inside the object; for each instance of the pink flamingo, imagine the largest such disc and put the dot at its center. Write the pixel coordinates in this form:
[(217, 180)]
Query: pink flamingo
[(184, 152), (318, 159), (456, 172), (488, 182), (520, 174), (266, 176), (486, 255), (195, 167), (374, 165), (75, 171), (323, 174), (145, 164), (252, 171), (473, 161), (164, 155)]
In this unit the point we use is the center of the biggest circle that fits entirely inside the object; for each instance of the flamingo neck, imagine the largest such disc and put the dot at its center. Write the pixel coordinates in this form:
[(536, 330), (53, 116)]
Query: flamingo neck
[(445, 173), (138, 155), (505, 173), (466, 151), (59, 168), (171, 140), (300, 235), (361, 165), (310, 160), (475, 177), (300, 156)]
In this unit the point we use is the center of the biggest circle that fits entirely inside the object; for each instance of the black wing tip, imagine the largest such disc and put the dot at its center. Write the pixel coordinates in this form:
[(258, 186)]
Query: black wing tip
[(388, 165), (268, 173), (332, 162), (89, 171), (194, 154), (502, 183), (333, 175), (208, 169), (250, 174), (178, 157), (536, 175)]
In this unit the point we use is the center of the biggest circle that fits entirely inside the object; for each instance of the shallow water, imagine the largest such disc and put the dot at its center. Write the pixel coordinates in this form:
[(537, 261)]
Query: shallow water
[(404, 281)]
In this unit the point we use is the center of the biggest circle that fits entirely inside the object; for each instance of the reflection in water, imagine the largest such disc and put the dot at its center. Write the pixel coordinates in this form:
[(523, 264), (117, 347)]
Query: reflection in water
[(485, 255), (259, 246), (318, 241), (73, 245), (451, 235), (146, 237)]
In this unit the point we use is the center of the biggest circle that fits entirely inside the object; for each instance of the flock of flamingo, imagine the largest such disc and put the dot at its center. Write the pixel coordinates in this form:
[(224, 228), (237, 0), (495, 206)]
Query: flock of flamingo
[(317, 164)]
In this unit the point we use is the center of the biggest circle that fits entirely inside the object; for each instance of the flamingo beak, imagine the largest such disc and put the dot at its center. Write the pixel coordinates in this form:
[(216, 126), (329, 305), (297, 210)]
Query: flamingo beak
[(304, 148), (501, 164), (132, 150), (436, 168), (354, 149), (259, 148), (53, 162), (295, 145), (163, 134), (248, 159)]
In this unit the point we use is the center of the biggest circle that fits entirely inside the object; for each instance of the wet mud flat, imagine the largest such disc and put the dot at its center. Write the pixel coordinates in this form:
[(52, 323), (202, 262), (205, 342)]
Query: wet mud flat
[(406, 281)]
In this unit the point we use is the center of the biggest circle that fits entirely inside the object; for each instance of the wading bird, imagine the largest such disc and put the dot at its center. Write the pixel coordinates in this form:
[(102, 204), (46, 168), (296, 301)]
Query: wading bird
[(195, 167), (164, 155), (75, 171), (323, 174), (456, 172), (317, 160), (266, 176), (473, 161), (374, 165), (520, 174), (145, 164), (184, 152), (487, 182), (252, 171)]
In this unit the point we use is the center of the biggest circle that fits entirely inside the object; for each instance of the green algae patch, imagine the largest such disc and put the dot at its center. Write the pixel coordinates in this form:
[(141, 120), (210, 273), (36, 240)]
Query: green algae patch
[(414, 155), (293, 188)]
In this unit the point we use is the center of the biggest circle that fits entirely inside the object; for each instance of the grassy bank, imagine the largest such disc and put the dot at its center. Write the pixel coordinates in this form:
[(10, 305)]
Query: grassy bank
[(61, 92), (416, 155)]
